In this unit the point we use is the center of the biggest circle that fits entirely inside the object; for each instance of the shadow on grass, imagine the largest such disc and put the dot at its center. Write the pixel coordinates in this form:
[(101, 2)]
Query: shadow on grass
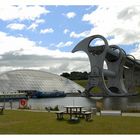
[(74, 121)]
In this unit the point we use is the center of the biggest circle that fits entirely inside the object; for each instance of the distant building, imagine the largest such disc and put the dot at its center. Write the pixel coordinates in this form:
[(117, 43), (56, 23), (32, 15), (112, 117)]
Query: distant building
[(36, 80)]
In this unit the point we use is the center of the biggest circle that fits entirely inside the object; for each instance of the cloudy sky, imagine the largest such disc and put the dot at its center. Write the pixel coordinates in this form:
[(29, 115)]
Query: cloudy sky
[(43, 36)]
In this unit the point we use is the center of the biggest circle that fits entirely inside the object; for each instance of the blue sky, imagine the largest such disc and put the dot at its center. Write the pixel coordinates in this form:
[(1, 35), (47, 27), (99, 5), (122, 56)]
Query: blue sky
[(57, 20), (42, 37)]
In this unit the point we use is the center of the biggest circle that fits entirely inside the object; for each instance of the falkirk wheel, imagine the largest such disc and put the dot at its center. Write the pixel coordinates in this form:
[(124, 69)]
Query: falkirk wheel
[(122, 75)]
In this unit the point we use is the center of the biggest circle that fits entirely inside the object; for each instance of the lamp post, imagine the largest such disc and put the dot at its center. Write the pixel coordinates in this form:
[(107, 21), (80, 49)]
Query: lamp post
[(4, 100)]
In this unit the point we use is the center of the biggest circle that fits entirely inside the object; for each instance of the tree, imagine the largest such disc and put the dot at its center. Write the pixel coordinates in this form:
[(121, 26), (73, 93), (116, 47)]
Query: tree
[(75, 75), (67, 75)]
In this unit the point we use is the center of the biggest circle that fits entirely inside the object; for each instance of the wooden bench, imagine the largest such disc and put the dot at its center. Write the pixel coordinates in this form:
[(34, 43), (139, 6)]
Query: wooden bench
[(88, 116), (110, 113), (1, 110), (93, 110), (60, 115)]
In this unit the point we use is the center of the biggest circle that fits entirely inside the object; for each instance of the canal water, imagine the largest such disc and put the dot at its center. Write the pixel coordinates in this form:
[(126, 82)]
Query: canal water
[(113, 103)]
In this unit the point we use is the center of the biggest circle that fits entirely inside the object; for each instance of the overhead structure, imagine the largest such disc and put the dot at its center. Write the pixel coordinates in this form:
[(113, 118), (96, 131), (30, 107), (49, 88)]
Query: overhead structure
[(36, 80), (122, 73)]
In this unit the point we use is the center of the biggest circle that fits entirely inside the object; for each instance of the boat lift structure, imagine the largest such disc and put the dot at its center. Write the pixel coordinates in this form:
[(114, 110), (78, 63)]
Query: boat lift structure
[(122, 75)]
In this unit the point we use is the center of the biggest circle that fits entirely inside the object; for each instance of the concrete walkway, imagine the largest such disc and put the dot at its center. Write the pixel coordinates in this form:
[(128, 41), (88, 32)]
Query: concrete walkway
[(126, 114), (131, 114)]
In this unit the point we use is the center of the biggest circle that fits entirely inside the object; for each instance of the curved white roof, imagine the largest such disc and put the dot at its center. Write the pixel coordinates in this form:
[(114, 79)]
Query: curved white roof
[(16, 80)]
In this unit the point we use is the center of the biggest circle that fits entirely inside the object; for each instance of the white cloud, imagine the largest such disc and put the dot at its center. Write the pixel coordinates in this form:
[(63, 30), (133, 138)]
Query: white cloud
[(62, 44), (136, 52), (66, 31), (121, 22), (40, 21), (33, 26), (69, 43), (16, 26), (67, 2), (10, 12), (24, 46), (76, 35), (20, 52), (70, 15), (48, 30), (11, 43)]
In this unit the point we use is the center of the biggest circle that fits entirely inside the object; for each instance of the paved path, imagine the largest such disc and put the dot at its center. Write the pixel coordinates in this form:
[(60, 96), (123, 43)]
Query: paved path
[(131, 114), (126, 114)]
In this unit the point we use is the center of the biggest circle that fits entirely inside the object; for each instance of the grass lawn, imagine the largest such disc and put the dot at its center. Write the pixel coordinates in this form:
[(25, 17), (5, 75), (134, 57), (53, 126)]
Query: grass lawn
[(25, 122), (96, 89), (83, 84)]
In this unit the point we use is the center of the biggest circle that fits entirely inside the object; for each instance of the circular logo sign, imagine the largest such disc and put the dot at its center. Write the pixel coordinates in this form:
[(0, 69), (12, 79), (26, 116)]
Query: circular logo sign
[(23, 102)]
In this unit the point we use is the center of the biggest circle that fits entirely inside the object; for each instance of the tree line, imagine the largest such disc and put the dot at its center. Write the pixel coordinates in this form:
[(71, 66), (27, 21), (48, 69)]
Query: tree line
[(75, 75)]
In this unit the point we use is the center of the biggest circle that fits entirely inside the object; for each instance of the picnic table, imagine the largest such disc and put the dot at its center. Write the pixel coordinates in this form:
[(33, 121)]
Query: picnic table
[(74, 110)]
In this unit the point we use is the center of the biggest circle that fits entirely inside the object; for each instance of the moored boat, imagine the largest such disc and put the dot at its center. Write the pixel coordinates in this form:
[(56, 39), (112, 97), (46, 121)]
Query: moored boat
[(51, 94), (4, 96)]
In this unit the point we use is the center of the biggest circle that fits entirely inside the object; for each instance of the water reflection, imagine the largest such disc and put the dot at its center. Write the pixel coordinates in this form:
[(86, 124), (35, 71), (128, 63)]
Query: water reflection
[(115, 103), (120, 103)]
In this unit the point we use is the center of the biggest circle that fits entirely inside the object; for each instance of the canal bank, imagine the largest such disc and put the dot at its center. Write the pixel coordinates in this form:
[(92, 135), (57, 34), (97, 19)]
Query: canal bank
[(108, 103)]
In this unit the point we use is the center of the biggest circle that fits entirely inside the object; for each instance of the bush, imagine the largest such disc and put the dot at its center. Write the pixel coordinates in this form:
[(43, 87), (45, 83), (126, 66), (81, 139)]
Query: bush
[(49, 108), (56, 108), (25, 107)]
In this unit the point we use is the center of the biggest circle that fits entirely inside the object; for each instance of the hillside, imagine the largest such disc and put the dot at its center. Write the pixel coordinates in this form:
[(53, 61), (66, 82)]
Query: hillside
[(96, 89)]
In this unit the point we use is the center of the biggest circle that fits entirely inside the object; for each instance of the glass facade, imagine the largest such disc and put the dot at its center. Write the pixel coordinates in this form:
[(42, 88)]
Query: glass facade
[(27, 80)]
